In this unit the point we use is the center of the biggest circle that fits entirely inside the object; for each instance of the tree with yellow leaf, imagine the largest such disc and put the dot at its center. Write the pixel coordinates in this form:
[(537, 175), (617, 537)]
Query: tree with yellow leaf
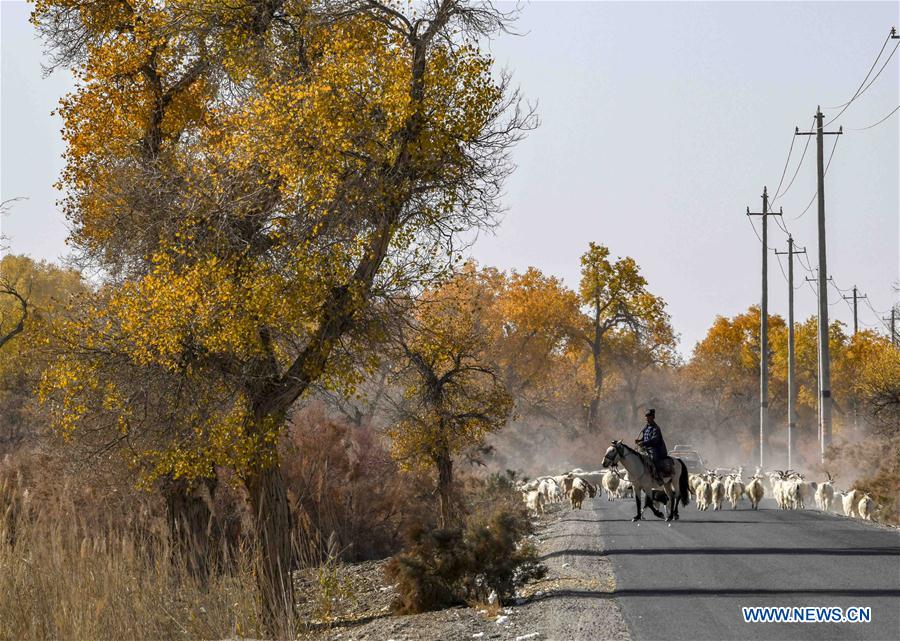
[(615, 295), (250, 176), (532, 319), (634, 353), (36, 294), (451, 396)]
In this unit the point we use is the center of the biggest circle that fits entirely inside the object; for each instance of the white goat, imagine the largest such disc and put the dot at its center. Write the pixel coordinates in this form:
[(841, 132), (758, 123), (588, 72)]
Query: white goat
[(704, 495), (735, 491), (694, 481), (755, 491), (718, 492), (850, 502), (534, 500), (594, 478), (825, 494), (546, 488), (866, 508), (777, 483), (611, 483)]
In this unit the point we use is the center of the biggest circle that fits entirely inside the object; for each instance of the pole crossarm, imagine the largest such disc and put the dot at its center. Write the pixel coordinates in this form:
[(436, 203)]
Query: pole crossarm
[(855, 298), (839, 132)]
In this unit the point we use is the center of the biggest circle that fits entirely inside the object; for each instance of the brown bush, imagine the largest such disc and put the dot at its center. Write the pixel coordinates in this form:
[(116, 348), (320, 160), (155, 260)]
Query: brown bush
[(444, 567), (872, 466), (349, 497), (84, 560)]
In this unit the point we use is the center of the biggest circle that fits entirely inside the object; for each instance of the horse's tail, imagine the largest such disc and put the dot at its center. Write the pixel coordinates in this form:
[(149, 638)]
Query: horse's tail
[(683, 488)]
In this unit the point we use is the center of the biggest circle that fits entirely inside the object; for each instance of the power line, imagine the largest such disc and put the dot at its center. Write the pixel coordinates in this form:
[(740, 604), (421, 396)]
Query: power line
[(877, 58), (757, 234), (893, 51), (878, 317), (812, 200), (808, 266), (799, 164), (861, 90), (841, 289), (875, 310), (877, 123)]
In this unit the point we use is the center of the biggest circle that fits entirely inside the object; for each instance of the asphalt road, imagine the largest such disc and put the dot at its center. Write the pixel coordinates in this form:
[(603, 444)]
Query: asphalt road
[(688, 582)]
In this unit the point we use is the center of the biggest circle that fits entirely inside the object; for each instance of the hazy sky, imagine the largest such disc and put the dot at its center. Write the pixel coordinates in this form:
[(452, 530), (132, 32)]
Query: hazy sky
[(661, 122)]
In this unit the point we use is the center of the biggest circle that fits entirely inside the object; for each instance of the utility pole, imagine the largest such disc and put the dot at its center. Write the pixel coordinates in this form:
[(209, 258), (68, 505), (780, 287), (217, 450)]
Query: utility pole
[(893, 319), (824, 355), (764, 329), (818, 362), (792, 387), (855, 297)]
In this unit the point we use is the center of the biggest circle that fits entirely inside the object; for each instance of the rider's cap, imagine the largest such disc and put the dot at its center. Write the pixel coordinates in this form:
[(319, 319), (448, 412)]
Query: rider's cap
[(650, 413)]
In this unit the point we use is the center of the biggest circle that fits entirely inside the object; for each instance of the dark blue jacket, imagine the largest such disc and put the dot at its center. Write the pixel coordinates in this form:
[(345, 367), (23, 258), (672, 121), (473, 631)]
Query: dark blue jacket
[(651, 439)]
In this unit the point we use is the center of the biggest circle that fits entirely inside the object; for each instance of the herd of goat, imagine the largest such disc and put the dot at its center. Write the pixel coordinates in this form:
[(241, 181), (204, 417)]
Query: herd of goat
[(710, 489)]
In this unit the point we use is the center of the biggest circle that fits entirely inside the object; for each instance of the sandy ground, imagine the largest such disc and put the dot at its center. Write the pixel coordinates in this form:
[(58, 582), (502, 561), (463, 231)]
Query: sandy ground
[(574, 602)]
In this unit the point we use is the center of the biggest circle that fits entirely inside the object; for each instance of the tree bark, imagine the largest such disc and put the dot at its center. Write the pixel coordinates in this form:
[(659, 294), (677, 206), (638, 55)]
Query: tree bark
[(594, 409), (189, 522), (445, 486), (272, 516)]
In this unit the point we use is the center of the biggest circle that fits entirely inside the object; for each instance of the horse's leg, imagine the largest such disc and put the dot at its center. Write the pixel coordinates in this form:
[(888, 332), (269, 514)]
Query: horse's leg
[(649, 502), (670, 495), (637, 500)]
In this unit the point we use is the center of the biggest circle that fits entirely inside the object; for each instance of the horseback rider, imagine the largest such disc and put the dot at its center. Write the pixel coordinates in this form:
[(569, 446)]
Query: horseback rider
[(651, 440)]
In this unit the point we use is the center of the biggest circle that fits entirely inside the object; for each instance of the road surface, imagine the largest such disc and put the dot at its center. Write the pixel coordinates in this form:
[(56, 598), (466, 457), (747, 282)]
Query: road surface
[(688, 582)]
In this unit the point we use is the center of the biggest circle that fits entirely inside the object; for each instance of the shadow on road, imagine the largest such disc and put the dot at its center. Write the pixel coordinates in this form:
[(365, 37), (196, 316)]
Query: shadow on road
[(870, 551), (749, 592), (708, 551)]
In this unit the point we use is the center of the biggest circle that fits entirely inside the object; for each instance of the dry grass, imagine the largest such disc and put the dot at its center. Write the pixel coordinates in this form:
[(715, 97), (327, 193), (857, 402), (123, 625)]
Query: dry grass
[(61, 578)]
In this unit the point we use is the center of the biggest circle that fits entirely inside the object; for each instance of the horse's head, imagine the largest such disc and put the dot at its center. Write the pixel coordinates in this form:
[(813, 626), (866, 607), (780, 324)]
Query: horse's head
[(613, 454)]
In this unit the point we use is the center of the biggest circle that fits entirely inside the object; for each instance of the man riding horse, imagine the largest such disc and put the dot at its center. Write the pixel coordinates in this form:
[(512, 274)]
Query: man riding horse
[(652, 442)]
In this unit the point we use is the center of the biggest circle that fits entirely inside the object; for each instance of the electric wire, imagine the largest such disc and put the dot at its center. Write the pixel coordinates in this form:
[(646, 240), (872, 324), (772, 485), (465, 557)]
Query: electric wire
[(862, 89), (757, 234), (896, 109), (881, 321), (825, 173), (877, 58)]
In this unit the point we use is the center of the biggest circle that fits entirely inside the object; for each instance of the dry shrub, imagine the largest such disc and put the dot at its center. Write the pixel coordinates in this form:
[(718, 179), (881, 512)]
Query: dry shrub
[(347, 493), (430, 574), (875, 465), (489, 553), (70, 574)]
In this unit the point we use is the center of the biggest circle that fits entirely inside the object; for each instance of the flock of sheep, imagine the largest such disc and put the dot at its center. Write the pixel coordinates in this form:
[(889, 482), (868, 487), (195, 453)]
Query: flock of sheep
[(574, 486), (710, 489)]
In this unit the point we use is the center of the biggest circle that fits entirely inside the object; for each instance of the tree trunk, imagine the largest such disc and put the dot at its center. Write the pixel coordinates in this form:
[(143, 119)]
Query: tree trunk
[(594, 409), (188, 505), (272, 515), (632, 400), (593, 412), (445, 486)]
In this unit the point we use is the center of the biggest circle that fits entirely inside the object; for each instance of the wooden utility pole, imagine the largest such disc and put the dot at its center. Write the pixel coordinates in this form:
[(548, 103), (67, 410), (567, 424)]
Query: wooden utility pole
[(764, 329), (824, 355), (792, 387), (893, 319), (818, 363), (855, 298)]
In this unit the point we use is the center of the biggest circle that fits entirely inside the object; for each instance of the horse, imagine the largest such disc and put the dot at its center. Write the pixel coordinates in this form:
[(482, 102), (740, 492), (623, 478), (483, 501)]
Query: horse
[(641, 476)]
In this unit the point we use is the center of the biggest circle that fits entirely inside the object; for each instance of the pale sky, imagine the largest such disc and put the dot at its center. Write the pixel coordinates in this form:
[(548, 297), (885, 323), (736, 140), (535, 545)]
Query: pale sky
[(661, 123)]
